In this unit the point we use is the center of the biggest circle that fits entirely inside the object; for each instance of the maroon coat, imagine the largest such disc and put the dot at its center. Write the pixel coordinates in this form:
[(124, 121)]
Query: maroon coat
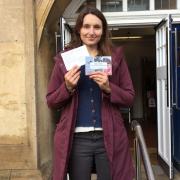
[(115, 136)]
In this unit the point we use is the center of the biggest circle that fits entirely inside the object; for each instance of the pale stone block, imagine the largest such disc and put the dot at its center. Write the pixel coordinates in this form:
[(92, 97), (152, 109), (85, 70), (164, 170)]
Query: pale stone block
[(26, 175), (12, 3), (12, 94), (5, 174), (16, 157), (11, 23)]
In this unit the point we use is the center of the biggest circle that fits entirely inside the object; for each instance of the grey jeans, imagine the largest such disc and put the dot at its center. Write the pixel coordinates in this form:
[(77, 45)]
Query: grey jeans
[(88, 151)]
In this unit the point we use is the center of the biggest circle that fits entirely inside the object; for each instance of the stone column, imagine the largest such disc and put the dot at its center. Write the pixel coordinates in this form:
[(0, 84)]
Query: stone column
[(18, 142)]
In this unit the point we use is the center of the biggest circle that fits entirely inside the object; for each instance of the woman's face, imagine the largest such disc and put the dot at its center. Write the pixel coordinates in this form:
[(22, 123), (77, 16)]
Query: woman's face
[(91, 30)]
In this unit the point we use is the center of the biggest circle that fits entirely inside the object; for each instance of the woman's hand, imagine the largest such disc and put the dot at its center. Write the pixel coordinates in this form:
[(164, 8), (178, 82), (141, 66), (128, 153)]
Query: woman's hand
[(71, 78), (102, 80)]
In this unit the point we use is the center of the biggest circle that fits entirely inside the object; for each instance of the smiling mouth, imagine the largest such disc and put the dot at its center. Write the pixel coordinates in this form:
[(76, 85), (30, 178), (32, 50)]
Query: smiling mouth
[(91, 39)]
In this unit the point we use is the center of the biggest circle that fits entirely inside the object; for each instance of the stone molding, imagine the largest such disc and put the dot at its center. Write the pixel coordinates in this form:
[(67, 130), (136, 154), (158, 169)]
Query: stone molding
[(29, 58), (42, 8)]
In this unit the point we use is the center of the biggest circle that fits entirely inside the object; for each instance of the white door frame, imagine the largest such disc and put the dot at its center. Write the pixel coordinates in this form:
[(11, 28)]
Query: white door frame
[(65, 33), (163, 77)]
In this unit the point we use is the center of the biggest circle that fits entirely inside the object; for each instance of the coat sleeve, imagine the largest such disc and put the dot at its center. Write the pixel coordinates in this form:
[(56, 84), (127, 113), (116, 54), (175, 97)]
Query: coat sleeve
[(122, 91), (57, 95)]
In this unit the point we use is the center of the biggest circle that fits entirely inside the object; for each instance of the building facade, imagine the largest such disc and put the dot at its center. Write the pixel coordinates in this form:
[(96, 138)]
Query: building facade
[(27, 46)]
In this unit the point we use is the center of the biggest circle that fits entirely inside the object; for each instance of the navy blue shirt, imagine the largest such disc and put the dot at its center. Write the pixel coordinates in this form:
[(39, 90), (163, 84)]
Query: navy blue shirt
[(89, 106)]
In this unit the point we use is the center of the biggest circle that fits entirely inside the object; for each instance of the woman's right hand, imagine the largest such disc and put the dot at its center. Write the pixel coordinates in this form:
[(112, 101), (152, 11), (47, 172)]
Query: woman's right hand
[(72, 77)]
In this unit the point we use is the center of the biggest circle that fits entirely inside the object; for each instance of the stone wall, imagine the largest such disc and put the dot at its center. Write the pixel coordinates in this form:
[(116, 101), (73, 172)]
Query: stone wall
[(17, 90), (26, 51), (12, 72)]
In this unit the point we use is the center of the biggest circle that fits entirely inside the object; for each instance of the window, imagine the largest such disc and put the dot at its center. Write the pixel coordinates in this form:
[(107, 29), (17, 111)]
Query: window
[(111, 6), (165, 4), (138, 5)]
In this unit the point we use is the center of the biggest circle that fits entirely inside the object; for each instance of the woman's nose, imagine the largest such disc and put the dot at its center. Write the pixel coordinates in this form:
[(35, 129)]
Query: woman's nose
[(91, 30)]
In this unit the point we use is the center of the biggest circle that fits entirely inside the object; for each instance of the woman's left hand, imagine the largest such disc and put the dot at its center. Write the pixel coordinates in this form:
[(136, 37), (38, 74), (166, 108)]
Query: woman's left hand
[(102, 80)]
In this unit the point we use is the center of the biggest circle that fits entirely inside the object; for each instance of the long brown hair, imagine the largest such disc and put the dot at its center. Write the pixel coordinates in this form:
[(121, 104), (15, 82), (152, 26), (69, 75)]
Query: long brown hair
[(105, 44)]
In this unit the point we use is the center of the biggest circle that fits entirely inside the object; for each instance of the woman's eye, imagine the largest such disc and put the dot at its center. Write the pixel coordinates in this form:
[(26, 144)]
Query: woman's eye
[(97, 27), (86, 26)]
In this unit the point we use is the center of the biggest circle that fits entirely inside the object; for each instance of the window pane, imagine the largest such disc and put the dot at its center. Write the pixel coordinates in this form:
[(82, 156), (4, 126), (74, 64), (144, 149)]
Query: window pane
[(165, 4), (157, 4), (111, 6), (138, 5), (173, 4)]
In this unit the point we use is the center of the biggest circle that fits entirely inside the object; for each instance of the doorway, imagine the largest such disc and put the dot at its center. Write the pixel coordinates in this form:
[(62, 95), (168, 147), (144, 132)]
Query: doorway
[(140, 52)]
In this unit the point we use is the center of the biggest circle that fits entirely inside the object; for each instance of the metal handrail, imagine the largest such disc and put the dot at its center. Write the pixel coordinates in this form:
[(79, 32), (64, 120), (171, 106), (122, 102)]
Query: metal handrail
[(141, 151)]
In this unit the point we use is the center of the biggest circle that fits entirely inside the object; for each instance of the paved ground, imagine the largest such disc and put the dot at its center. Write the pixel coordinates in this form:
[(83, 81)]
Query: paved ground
[(35, 175), (32, 175), (159, 174)]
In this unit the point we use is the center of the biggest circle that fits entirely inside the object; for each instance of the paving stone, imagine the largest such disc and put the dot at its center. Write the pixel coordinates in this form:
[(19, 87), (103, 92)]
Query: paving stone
[(4, 174), (25, 175)]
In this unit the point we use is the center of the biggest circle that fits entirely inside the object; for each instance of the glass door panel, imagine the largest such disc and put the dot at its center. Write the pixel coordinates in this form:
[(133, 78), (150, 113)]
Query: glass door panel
[(165, 4), (111, 6), (138, 5)]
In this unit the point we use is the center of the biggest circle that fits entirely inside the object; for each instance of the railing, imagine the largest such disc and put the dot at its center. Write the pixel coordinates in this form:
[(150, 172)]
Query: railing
[(141, 151)]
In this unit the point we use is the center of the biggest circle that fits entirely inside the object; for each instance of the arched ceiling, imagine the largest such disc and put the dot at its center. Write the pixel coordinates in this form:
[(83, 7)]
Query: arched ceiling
[(48, 12), (70, 12)]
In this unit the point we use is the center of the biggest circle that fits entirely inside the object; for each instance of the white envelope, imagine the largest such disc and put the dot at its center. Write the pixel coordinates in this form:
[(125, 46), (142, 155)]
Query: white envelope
[(75, 56)]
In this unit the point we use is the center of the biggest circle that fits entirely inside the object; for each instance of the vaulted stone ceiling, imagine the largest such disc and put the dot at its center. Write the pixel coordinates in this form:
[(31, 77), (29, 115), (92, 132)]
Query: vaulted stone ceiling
[(48, 12)]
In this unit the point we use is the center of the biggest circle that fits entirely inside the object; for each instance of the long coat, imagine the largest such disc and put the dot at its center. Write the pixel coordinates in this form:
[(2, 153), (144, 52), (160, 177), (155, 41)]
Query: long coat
[(115, 136)]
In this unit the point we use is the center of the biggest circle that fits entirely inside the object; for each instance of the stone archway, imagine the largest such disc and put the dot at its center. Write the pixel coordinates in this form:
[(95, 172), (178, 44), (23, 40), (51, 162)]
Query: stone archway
[(42, 8), (47, 16)]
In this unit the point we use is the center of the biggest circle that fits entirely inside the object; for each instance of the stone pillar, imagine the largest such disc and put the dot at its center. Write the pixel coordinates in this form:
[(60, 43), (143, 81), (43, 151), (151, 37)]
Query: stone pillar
[(18, 142)]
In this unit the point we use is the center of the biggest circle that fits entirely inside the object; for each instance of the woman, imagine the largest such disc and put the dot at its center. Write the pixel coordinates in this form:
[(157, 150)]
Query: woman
[(90, 130)]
